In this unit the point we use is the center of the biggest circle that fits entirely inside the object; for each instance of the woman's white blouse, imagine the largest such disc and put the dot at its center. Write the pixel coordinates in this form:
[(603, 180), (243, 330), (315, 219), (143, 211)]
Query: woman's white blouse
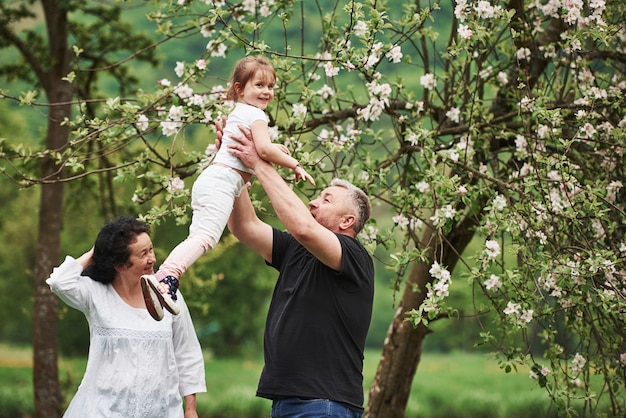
[(137, 367)]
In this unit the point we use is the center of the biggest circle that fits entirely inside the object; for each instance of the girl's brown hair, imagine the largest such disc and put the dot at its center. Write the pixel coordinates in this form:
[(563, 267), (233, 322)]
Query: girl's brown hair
[(244, 70)]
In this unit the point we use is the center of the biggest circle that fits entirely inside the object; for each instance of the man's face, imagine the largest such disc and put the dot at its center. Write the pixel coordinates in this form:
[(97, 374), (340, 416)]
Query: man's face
[(330, 208)]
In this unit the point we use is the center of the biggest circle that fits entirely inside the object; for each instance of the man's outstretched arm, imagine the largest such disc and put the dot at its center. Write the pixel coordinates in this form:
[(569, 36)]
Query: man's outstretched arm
[(292, 212), (248, 228)]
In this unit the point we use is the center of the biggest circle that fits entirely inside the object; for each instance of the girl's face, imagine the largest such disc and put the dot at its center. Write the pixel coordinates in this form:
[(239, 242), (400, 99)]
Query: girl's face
[(258, 91)]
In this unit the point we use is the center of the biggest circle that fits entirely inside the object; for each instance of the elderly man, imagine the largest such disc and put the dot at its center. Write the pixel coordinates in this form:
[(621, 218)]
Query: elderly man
[(321, 307)]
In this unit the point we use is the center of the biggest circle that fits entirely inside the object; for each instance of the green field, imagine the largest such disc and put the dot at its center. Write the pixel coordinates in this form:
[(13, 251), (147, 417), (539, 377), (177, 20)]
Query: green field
[(445, 385)]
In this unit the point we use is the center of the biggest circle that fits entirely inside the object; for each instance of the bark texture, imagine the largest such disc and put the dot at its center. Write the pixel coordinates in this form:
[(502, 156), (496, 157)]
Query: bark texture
[(48, 398)]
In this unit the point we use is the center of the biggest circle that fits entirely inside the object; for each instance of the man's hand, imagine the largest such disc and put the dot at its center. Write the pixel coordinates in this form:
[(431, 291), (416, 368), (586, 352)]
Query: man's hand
[(244, 149), (219, 130)]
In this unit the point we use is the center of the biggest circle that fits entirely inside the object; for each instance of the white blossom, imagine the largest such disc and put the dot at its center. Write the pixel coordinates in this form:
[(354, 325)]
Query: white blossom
[(199, 100), (485, 10), (441, 288), (217, 50), (170, 128), (485, 72), (299, 110), (400, 220), (360, 28), (448, 212), (465, 32), (499, 203), (439, 272), (527, 315), (428, 81), (492, 249), (206, 31), (526, 103), (368, 234), (422, 187), (249, 5), (371, 60), (325, 92), (183, 91), (201, 64), (395, 54), (142, 122), (330, 70), (454, 114), (502, 78), (612, 189), (493, 283), (176, 113), (265, 10), (523, 54), (175, 184), (460, 10), (578, 363), (180, 68), (512, 308), (210, 150)]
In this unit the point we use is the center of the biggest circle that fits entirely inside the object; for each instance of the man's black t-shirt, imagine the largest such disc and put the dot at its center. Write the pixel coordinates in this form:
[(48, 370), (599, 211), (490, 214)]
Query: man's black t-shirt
[(317, 323)]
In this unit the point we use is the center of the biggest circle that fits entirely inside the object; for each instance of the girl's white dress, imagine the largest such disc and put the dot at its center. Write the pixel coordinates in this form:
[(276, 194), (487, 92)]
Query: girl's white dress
[(137, 367)]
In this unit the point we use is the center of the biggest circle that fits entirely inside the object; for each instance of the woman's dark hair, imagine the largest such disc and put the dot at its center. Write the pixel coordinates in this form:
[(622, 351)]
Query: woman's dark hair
[(111, 247)]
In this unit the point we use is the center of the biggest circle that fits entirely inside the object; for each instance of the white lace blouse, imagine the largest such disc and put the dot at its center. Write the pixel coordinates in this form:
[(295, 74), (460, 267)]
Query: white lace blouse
[(137, 367)]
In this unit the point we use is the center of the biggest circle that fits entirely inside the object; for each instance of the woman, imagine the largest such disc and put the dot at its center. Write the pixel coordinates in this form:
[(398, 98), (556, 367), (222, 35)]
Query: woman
[(137, 367)]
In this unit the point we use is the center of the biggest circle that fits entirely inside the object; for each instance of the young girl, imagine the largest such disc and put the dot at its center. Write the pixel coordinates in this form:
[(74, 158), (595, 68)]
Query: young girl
[(213, 193)]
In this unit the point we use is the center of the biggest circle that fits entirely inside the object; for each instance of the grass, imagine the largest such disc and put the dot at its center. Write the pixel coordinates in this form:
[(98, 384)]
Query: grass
[(469, 385), (455, 385)]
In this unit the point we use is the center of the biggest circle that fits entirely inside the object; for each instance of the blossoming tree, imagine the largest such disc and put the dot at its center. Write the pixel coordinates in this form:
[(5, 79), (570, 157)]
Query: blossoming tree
[(497, 122)]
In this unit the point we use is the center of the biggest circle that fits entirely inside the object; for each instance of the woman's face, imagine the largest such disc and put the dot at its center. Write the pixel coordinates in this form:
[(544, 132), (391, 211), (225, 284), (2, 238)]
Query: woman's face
[(142, 259)]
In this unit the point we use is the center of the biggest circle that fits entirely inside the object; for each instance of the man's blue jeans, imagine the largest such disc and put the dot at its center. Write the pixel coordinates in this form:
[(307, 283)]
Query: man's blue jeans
[(311, 408)]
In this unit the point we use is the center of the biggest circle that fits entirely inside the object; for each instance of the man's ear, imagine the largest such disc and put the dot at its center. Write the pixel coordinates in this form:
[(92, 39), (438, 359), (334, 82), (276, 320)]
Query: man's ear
[(347, 222)]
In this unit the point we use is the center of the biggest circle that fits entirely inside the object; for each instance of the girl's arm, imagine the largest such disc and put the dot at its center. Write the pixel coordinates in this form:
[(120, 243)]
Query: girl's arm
[(274, 153)]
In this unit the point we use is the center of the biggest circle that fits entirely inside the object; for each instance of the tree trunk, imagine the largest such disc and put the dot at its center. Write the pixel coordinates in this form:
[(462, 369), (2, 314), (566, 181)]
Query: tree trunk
[(48, 398), (401, 354), (402, 350)]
